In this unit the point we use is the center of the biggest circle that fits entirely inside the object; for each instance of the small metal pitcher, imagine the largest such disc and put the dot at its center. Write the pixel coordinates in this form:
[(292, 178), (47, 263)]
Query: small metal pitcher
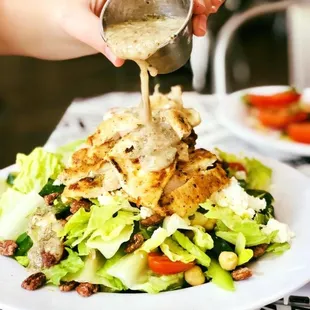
[(174, 53)]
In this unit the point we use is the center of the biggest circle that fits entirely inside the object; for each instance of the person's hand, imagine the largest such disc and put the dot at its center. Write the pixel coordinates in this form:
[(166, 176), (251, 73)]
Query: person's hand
[(202, 10), (65, 29), (52, 29)]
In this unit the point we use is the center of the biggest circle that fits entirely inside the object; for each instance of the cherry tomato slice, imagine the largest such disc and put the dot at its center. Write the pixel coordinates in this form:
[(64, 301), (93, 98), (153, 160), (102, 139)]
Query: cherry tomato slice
[(281, 118), (299, 132), (237, 166), (279, 100), (161, 264)]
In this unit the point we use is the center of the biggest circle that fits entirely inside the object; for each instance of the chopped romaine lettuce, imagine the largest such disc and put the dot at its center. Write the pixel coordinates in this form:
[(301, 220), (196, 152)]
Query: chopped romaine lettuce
[(15, 211), (75, 227), (235, 224), (201, 238), (176, 253), (22, 260), (158, 237), (202, 258), (258, 175), (278, 248), (244, 255), (67, 150), (219, 276), (92, 263), (113, 283), (35, 170), (72, 264), (104, 228), (132, 270), (108, 245)]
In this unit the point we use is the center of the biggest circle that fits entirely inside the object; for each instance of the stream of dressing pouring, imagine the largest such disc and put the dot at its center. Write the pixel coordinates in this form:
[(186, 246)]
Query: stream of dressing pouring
[(138, 40)]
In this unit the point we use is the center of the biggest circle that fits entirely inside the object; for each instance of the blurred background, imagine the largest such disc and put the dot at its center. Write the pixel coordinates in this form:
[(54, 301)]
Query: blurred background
[(34, 94)]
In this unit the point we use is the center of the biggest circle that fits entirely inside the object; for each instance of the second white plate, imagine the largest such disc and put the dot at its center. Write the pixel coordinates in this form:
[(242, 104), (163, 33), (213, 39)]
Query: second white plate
[(232, 114)]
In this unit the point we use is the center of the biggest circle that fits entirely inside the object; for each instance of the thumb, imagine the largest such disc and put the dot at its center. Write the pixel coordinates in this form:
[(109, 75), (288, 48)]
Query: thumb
[(84, 25)]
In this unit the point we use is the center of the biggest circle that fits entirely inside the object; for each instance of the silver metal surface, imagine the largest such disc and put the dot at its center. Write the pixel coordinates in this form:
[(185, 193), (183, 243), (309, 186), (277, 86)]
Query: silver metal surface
[(227, 32), (174, 53)]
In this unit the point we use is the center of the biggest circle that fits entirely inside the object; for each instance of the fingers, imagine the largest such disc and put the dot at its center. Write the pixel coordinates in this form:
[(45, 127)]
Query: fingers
[(84, 26), (199, 7), (199, 25), (216, 4)]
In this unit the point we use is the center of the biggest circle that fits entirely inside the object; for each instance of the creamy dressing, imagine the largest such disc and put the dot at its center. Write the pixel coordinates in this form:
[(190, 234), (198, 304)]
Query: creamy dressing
[(137, 41), (155, 143)]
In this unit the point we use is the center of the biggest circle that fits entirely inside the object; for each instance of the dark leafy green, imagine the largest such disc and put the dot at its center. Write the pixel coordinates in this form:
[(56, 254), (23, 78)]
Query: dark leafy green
[(147, 232), (60, 209), (265, 215), (24, 243), (49, 188), (220, 246), (10, 179)]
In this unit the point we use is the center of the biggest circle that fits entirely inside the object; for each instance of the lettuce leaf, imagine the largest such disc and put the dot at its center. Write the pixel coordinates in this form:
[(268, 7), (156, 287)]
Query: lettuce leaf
[(176, 253), (158, 237), (113, 283), (75, 228), (35, 170), (72, 264), (115, 231), (219, 276), (235, 224), (258, 175), (15, 211), (104, 228), (201, 238), (92, 263), (278, 248), (132, 270), (22, 260), (202, 258), (244, 255), (65, 151)]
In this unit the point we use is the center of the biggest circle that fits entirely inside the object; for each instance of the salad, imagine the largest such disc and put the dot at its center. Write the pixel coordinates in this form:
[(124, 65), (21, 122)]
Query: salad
[(91, 217), (285, 113)]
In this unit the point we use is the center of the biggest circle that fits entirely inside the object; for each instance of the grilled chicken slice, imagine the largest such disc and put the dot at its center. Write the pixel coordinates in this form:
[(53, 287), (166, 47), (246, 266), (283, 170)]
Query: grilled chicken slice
[(193, 183), (93, 187), (143, 186), (115, 127), (178, 121), (87, 162)]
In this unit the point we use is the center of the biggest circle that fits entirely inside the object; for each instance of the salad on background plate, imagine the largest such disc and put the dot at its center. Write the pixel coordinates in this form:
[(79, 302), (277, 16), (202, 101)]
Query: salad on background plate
[(286, 113), (110, 214)]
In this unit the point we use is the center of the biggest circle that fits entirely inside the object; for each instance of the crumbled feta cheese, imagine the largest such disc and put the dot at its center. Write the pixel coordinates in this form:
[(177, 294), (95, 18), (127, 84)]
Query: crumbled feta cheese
[(145, 212), (240, 175), (56, 182), (105, 199), (284, 232), (237, 199)]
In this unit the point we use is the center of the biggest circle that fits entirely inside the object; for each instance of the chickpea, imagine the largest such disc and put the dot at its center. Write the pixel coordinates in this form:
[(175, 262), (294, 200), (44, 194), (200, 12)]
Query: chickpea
[(201, 220), (228, 260), (210, 224), (194, 276)]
